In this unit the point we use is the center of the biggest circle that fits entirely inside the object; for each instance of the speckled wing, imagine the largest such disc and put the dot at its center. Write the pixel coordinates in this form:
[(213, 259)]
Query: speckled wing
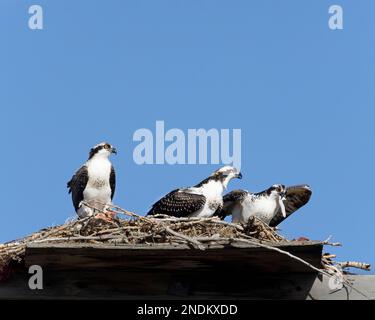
[(295, 198), (178, 203), (77, 185), (230, 200)]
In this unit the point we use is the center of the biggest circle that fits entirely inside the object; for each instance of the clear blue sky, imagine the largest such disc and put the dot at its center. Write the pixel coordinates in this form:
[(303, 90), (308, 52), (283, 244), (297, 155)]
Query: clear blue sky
[(302, 94)]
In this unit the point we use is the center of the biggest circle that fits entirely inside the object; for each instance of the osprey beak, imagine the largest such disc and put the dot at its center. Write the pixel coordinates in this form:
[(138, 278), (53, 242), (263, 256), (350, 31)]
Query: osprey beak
[(114, 150), (239, 175)]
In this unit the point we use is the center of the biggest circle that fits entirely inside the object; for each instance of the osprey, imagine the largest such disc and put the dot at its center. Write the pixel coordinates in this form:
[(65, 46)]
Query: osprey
[(272, 206), (202, 200), (95, 182)]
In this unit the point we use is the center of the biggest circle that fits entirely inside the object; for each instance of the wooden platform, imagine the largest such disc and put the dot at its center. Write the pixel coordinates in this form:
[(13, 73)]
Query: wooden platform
[(173, 258), (238, 271)]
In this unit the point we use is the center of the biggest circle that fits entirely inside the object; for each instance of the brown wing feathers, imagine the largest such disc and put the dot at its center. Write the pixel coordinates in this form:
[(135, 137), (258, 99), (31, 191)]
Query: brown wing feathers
[(178, 203)]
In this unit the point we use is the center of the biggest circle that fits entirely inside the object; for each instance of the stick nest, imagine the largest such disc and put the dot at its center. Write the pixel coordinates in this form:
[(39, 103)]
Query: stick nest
[(130, 228)]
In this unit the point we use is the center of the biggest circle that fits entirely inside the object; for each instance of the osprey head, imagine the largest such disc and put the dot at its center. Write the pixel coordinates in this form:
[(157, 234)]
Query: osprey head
[(277, 190), (102, 149), (225, 174)]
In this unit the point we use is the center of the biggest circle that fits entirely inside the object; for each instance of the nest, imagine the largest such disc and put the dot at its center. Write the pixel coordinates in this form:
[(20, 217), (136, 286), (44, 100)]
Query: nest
[(130, 228)]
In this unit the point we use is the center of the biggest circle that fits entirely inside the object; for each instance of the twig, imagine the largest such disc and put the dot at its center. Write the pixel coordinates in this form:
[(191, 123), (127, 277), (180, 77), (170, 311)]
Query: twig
[(194, 242), (354, 264)]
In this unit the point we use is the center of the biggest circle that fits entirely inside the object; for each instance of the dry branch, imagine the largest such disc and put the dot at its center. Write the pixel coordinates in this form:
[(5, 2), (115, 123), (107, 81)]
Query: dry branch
[(354, 264)]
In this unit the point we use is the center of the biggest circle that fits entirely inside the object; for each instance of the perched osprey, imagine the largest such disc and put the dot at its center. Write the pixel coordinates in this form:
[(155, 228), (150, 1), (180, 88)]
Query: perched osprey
[(272, 206), (95, 182), (202, 200)]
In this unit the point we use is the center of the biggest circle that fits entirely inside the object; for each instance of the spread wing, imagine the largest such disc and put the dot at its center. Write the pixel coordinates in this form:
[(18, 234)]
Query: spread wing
[(230, 200), (77, 185), (295, 198), (112, 181), (178, 203)]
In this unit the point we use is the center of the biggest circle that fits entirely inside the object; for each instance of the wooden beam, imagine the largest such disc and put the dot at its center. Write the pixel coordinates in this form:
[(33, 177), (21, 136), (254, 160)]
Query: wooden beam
[(168, 257)]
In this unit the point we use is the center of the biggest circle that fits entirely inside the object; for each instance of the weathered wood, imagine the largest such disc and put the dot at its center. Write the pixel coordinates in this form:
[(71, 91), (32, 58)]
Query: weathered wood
[(168, 257)]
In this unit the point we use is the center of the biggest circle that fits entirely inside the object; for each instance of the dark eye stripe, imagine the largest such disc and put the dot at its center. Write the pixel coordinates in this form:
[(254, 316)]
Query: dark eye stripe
[(96, 150)]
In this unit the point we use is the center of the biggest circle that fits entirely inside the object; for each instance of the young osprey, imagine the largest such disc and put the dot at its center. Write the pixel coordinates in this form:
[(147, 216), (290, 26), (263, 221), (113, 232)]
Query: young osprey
[(202, 200), (272, 206), (95, 182)]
